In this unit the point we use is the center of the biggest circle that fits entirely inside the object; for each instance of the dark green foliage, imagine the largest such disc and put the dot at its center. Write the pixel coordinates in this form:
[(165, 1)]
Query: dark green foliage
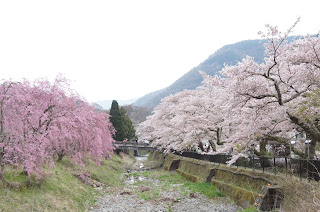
[(116, 121), (127, 127), (121, 122)]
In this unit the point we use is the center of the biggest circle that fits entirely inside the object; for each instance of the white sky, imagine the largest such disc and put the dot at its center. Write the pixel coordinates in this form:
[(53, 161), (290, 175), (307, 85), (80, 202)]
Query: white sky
[(123, 49)]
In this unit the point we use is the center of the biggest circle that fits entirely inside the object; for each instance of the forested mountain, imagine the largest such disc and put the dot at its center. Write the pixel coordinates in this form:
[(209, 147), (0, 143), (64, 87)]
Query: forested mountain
[(136, 114), (229, 54)]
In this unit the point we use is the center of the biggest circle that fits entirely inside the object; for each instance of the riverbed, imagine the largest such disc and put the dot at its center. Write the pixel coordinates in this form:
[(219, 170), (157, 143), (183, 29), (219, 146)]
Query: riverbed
[(143, 192)]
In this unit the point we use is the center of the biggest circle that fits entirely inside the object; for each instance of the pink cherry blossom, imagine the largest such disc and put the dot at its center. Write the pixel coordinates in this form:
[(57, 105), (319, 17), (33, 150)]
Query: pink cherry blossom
[(252, 103), (42, 121)]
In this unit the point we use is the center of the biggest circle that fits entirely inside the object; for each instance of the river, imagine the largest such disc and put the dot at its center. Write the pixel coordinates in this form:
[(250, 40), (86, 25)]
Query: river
[(143, 192)]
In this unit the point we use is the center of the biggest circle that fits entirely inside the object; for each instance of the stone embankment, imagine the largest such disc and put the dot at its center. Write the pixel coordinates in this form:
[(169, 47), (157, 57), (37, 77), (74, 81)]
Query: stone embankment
[(246, 188)]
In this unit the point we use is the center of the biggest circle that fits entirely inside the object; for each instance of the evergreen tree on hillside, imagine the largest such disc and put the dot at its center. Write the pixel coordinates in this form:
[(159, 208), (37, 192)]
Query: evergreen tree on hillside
[(116, 120), (121, 122), (128, 127)]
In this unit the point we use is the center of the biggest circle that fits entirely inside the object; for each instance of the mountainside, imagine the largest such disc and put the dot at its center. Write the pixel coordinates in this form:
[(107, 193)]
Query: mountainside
[(229, 55), (106, 104)]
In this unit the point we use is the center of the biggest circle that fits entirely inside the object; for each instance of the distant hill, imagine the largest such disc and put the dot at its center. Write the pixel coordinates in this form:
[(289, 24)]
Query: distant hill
[(106, 104), (97, 106), (229, 54)]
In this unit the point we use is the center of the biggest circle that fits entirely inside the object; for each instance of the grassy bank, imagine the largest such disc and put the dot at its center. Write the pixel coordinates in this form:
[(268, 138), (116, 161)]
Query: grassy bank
[(60, 190), (300, 195)]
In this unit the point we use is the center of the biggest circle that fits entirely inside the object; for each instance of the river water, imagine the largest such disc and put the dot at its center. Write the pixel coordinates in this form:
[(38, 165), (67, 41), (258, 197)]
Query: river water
[(138, 165)]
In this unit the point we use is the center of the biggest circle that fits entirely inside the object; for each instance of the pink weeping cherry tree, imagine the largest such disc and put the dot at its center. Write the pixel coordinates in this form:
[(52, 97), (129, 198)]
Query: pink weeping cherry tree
[(40, 121), (79, 136)]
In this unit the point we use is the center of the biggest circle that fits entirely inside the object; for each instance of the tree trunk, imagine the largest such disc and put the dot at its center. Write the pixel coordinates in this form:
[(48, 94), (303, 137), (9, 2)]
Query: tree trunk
[(2, 167), (297, 152), (60, 156), (219, 133), (312, 132), (312, 148), (201, 146), (285, 142), (263, 145), (213, 146), (208, 148)]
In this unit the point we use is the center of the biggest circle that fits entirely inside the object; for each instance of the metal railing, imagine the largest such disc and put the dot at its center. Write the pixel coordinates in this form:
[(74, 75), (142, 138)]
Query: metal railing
[(302, 168)]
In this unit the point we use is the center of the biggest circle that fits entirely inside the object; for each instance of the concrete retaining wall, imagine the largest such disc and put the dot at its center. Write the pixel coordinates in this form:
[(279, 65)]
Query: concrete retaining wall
[(245, 188)]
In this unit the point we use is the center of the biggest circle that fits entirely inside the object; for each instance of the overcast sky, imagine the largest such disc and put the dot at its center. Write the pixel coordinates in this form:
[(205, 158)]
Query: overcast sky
[(123, 49)]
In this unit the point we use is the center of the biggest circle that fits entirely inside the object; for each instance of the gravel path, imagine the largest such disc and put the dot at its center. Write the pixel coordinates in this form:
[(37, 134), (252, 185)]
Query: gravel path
[(155, 196)]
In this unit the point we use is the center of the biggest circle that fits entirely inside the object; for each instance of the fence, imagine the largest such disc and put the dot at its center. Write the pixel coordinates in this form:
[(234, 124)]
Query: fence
[(301, 168)]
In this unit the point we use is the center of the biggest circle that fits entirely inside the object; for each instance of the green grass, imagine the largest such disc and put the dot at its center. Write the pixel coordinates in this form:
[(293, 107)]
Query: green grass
[(109, 172), (60, 190), (205, 188), (149, 195), (135, 174), (172, 178), (251, 209), (167, 179), (138, 183)]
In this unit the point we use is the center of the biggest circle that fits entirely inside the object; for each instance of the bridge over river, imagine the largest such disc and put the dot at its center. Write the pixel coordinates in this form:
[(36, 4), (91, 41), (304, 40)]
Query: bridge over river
[(133, 146)]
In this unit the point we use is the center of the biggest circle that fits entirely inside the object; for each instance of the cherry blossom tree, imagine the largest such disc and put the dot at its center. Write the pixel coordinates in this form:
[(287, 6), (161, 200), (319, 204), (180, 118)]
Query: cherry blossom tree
[(182, 121), (265, 100), (258, 102), (41, 120), (82, 132), (6, 98)]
